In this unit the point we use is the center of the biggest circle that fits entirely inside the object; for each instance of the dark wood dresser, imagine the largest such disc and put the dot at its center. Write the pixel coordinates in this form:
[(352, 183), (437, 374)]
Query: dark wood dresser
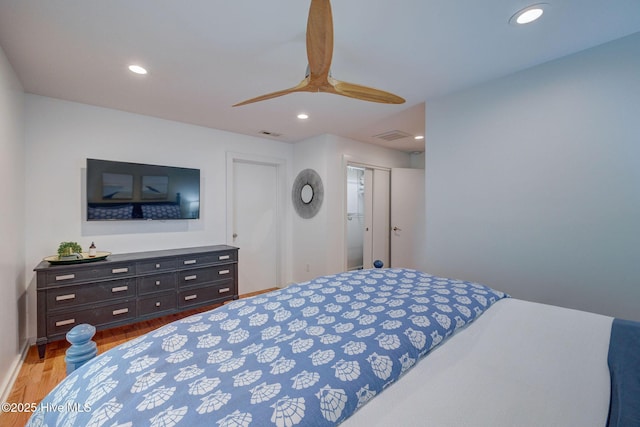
[(127, 288)]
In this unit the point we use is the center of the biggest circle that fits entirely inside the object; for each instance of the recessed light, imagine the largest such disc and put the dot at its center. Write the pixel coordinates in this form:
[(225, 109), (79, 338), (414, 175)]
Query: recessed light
[(418, 137), (303, 116), (528, 14), (137, 69)]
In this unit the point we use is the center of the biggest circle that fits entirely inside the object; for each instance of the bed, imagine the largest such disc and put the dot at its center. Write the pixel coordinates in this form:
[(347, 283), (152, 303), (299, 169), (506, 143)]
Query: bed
[(366, 348)]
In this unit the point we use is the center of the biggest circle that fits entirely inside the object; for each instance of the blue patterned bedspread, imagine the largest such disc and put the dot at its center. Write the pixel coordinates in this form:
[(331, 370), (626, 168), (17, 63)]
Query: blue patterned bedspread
[(308, 354)]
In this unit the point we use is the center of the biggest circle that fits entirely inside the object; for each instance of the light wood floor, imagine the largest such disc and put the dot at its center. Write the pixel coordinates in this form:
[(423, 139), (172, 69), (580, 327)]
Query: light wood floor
[(38, 377)]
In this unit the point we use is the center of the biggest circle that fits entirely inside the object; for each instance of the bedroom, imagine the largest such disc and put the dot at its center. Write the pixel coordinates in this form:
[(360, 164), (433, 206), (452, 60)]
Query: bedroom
[(523, 234)]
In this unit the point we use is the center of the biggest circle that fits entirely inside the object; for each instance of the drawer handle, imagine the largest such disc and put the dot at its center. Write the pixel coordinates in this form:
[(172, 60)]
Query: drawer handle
[(120, 289), (192, 277), (158, 304), (120, 311), (65, 297), (66, 277), (66, 322), (120, 270), (190, 297), (190, 261), (223, 257), (223, 290), (223, 272), (157, 282)]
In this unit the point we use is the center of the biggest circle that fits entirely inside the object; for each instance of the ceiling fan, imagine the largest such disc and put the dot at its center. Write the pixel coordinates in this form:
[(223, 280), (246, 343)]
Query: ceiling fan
[(319, 53)]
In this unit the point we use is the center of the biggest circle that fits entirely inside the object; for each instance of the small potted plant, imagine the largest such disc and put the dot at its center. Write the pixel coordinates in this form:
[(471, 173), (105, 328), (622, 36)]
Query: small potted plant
[(69, 251)]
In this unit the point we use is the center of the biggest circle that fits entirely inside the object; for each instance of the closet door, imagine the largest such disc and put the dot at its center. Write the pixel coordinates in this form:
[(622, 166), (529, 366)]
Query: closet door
[(376, 217), (381, 216), (367, 241), (407, 218)]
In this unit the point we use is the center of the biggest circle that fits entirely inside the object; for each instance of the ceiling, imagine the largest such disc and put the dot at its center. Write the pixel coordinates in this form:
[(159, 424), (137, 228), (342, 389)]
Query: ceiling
[(205, 55)]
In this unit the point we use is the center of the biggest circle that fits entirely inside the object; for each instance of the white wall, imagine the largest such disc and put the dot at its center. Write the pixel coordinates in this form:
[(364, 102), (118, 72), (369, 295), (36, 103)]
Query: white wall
[(533, 182), (12, 261), (310, 238), (61, 135), (319, 242)]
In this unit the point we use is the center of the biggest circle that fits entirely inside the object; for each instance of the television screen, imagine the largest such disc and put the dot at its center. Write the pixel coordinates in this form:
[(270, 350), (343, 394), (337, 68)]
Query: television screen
[(135, 191)]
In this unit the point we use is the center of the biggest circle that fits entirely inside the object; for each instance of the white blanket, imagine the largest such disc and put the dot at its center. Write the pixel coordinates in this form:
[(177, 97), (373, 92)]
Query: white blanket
[(519, 364)]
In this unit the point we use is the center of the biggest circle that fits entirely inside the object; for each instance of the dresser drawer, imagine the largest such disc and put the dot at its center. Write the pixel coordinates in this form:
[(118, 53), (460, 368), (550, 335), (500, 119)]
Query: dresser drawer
[(68, 276), (164, 264), (115, 270), (206, 259), (199, 296), (156, 304), (156, 283), (96, 316), (98, 272), (205, 275), (226, 256), (71, 296), (195, 276)]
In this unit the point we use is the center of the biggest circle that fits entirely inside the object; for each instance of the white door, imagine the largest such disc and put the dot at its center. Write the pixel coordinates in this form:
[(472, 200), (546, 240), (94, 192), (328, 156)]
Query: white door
[(407, 218), (255, 225), (380, 220), (367, 240)]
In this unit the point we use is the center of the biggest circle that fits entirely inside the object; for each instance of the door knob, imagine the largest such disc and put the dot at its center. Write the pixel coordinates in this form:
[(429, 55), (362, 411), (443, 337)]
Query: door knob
[(235, 235), (397, 229)]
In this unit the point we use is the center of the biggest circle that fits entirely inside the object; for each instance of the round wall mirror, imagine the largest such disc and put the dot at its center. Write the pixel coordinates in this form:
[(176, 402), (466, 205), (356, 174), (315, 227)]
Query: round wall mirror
[(307, 193)]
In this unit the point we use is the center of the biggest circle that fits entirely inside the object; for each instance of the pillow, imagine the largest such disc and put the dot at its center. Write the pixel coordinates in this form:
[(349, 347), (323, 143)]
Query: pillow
[(109, 212), (161, 211)]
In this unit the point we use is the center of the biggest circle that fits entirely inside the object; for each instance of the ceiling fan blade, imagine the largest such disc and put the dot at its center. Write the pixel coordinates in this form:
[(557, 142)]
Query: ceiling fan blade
[(319, 53), (299, 88), (365, 93), (319, 38)]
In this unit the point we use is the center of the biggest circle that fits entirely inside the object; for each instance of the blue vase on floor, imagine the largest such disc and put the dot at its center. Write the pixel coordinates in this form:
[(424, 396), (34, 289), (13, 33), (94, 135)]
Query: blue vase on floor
[(82, 348)]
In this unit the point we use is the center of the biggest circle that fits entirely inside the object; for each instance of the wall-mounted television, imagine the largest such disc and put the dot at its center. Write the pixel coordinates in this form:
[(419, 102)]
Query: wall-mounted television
[(135, 191)]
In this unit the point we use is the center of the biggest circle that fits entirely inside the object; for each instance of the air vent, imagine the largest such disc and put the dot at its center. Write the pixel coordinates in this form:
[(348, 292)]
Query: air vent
[(392, 135), (268, 133)]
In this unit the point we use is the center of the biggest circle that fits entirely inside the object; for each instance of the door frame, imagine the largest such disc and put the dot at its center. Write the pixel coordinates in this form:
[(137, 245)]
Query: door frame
[(281, 207)]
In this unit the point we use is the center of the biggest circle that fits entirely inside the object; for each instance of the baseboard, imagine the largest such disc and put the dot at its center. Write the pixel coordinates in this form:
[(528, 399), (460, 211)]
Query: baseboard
[(7, 386)]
